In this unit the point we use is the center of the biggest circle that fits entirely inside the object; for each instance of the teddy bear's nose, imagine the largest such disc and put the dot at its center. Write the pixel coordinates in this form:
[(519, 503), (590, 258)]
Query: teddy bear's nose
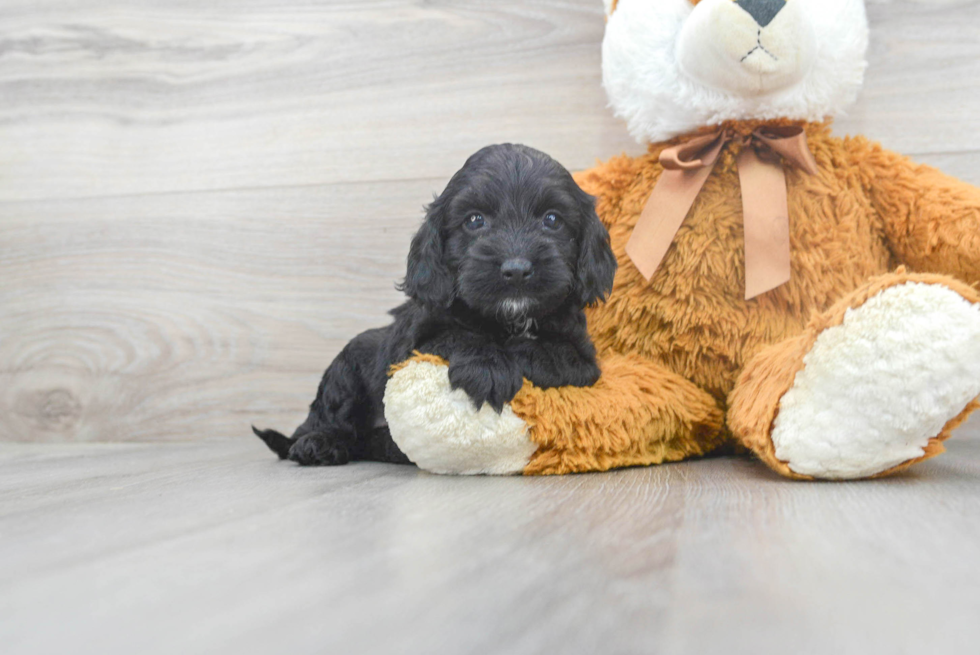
[(763, 11)]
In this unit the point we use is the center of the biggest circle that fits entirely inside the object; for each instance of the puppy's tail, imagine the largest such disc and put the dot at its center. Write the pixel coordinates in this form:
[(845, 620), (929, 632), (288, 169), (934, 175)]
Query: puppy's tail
[(277, 442)]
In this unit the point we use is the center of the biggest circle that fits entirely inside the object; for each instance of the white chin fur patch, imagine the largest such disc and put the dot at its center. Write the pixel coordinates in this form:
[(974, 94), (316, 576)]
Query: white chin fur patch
[(515, 307), (876, 388), (440, 430)]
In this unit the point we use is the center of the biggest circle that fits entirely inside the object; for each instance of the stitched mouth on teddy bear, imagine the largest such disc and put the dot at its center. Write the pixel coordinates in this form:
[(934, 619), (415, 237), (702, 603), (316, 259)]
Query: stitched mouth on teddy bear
[(748, 47), (759, 48)]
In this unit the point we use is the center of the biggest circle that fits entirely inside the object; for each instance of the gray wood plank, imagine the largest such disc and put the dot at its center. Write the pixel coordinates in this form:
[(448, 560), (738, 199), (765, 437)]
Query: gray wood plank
[(185, 96), (922, 87), (200, 203), (216, 547), (194, 314)]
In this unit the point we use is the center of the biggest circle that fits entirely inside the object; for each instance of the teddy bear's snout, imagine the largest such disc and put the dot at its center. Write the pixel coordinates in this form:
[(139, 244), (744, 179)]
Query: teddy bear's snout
[(747, 47)]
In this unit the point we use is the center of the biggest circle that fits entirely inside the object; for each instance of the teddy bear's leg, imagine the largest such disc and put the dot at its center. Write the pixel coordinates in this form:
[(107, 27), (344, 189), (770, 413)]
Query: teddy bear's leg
[(637, 413), (872, 386)]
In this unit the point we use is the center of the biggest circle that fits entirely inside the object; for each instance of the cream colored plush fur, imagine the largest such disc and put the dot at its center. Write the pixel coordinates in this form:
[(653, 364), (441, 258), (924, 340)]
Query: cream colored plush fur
[(877, 387), (670, 67), (440, 430)]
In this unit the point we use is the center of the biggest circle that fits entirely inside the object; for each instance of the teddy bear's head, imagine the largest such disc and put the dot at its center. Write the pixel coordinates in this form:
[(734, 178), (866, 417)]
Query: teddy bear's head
[(672, 66)]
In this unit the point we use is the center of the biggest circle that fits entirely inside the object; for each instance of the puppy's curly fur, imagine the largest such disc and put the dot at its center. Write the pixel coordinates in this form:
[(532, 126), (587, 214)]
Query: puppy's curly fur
[(505, 261)]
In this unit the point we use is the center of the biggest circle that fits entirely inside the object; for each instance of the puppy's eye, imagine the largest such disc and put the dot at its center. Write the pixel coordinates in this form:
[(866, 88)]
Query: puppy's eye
[(551, 221), (475, 222)]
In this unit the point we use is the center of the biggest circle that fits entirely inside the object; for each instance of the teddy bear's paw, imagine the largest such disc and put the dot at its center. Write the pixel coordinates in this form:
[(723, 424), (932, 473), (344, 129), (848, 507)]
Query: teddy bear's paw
[(876, 388), (440, 430)]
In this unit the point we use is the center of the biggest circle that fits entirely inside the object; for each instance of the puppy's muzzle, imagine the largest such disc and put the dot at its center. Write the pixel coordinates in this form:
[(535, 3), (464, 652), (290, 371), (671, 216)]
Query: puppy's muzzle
[(516, 271)]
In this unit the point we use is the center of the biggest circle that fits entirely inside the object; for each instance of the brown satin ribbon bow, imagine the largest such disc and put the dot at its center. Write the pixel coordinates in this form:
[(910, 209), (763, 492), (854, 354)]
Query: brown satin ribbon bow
[(765, 208)]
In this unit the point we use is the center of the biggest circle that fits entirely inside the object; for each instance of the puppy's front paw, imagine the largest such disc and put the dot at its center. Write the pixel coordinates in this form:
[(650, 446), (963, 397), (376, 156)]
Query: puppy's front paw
[(486, 380), (317, 449), (555, 364)]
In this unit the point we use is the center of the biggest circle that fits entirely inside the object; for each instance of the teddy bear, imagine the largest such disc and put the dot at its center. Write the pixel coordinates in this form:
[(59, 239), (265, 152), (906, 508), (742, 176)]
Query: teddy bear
[(781, 291)]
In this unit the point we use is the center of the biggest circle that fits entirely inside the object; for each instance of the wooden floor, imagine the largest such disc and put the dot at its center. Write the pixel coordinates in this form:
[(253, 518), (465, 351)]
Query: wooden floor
[(216, 547)]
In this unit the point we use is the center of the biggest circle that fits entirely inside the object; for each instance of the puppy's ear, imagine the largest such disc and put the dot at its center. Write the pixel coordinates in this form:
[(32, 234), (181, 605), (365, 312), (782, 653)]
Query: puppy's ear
[(596, 262), (428, 279)]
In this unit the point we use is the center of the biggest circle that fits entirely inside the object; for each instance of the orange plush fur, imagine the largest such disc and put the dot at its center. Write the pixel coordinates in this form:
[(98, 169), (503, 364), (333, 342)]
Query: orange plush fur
[(672, 349)]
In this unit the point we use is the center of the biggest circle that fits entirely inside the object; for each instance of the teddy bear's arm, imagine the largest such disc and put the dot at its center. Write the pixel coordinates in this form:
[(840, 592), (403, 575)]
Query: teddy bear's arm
[(638, 413), (931, 220)]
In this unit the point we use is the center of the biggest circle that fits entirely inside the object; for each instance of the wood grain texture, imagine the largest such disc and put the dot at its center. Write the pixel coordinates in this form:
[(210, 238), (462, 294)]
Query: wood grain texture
[(216, 547), (184, 96), (201, 202)]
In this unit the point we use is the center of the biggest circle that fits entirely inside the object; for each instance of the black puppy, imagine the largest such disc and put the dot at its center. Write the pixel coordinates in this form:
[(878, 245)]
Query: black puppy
[(498, 275)]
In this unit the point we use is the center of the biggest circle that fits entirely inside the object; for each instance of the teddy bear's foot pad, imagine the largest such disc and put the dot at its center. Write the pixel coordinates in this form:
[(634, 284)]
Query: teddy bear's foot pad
[(876, 388), (440, 430)]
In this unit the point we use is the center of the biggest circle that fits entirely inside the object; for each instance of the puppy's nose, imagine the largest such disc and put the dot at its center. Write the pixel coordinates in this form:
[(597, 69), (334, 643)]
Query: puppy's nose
[(516, 270), (763, 11)]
